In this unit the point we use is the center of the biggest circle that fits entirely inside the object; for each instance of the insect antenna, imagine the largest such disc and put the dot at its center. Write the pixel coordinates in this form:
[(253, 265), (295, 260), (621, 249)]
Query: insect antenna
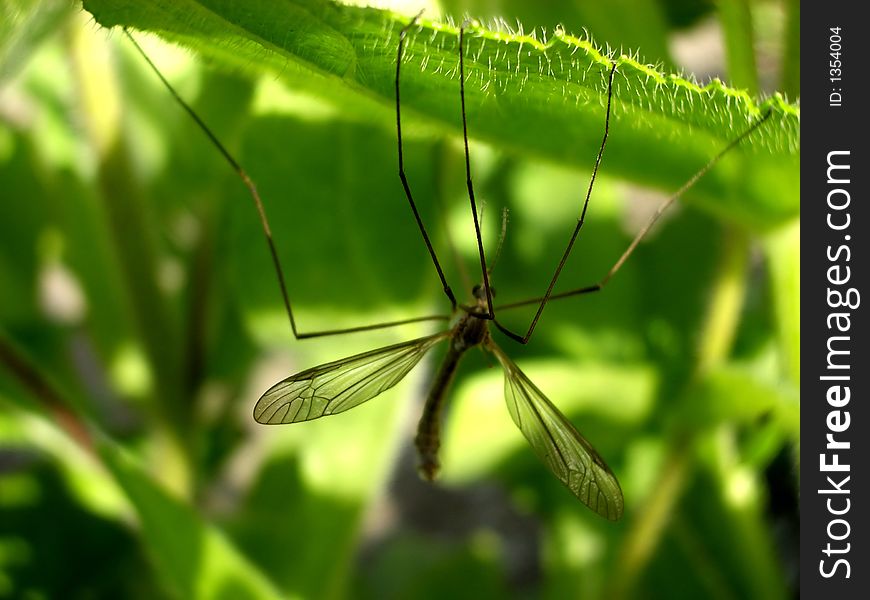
[(505, 212)]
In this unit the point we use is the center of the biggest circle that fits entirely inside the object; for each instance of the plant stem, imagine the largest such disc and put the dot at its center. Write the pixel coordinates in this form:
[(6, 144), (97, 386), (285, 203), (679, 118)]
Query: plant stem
[(715, 341)]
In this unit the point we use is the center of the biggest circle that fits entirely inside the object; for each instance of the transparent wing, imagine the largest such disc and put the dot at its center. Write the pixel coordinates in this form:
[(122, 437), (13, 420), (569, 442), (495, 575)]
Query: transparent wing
[(338, 386), (558, 443)]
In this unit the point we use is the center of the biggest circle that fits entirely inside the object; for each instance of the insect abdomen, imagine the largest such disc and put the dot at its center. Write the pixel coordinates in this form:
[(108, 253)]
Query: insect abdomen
[(428, 439)]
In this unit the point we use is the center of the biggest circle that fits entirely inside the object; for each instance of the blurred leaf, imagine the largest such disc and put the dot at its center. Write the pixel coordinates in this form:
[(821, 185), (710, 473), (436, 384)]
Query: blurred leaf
[(302, 538), (413, 567), (733, 557), (303, 516), (24, 24), (193, 558), (783, 254), (325, 509), (683, 13), (736, 22), (574, 555), (51, 546), (791, 51), (730, 393)]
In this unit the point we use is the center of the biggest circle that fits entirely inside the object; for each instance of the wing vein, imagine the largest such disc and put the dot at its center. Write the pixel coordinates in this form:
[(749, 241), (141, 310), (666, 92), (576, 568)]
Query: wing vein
[(568, 455), (334, 387)]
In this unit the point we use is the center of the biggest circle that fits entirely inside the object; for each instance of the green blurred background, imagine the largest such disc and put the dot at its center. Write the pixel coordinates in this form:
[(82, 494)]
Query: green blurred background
[(140, 320)]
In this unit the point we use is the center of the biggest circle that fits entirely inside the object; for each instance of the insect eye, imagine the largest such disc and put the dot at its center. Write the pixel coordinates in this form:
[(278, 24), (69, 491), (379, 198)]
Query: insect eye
[(479, 292)]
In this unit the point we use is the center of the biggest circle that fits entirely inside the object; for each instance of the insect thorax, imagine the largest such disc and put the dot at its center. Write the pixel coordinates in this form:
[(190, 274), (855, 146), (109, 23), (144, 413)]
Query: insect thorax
[(470, 330)]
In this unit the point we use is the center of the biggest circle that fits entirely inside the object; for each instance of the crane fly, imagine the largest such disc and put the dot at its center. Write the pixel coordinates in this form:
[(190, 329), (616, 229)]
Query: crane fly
[(343, 384)]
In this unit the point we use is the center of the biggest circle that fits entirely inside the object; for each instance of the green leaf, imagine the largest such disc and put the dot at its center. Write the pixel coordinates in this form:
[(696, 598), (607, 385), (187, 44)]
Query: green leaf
[(194, 558), (783, 251), (24, 24), (537, 97), (737, 27), (308, 501), (737, 394)]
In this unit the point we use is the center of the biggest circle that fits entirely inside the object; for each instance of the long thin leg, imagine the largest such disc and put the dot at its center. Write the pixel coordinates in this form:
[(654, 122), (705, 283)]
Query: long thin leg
[(543, 301), (490, 314), (645, 229), (261, 211), (402, 176), (440, 168)]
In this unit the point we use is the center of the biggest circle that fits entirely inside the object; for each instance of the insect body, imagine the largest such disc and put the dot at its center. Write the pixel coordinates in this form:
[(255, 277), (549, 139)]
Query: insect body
[(338, 386)]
